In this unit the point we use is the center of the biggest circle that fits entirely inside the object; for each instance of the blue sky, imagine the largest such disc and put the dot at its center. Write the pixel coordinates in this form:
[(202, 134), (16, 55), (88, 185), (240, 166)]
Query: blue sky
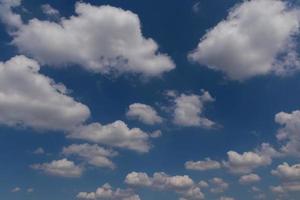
[(129, 100)]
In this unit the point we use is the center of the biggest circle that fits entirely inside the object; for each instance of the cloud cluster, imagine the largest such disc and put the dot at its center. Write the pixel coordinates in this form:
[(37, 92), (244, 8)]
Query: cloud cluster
[(182, 185), (106, 192), (252, 41)]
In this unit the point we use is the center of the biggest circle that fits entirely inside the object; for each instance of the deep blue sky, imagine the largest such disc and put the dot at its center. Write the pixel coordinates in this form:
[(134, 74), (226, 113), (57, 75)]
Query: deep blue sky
[(244, 110)]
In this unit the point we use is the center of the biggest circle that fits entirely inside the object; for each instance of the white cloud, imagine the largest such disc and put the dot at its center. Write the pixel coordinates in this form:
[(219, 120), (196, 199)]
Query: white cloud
[(219, 185), (30, 99), (189, 110), (107, 192), (251, 40), (289, 134), (116, 134), (63, 168), (16, 189), (49, 10), (207, 164), (7, 17), (290, 177), (182, 185), (143, 113), (246, 162), (92, 154), (39, 150), (100, 39), (287, 172), (250, 178)]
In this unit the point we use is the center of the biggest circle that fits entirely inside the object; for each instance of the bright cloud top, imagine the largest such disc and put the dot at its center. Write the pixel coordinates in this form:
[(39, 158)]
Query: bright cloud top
[(255, 39), (101, 39)]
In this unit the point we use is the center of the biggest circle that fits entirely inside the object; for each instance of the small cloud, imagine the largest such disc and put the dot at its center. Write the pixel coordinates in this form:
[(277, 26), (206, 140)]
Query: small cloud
[(16, 189), (39, 150)]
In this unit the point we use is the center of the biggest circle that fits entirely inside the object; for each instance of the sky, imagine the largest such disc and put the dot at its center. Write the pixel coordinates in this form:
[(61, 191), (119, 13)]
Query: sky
[(143, 100)]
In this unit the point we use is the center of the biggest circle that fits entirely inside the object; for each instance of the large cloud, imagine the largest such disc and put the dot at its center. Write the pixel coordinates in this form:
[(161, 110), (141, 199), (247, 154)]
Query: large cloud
[(255, 39), (107, 192), (101, 39), (63, 168), (30, 99), (116, 134)]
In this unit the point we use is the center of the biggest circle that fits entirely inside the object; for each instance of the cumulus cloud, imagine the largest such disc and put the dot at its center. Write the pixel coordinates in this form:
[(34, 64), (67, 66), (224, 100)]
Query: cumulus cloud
[(62, 168), (182, 185), (289, 134), (257, 38), (207, 164), (101, 39), (250, 178), (7, 17), (39, 151), (287, 172), (30, 99), (246, 162), (226, 198), (290, 178), (143, 113), (92, 154), (218, 185), (116, 134), (189, 110), (107, 192)]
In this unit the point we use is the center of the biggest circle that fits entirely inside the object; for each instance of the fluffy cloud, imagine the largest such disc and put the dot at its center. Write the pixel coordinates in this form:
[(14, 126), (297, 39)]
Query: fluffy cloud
[(252, 41), (290, 177), (63, 168), (49, 10), (7, 17), (246, 162), (189, 110), (92, 154), (143, 113), (101, 39), (290, 133), (30, 99), (116, 134), (16, 189), (250, 178), (219, 185), (107, 192), (207, 164), (182, 185), (287, 172)]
